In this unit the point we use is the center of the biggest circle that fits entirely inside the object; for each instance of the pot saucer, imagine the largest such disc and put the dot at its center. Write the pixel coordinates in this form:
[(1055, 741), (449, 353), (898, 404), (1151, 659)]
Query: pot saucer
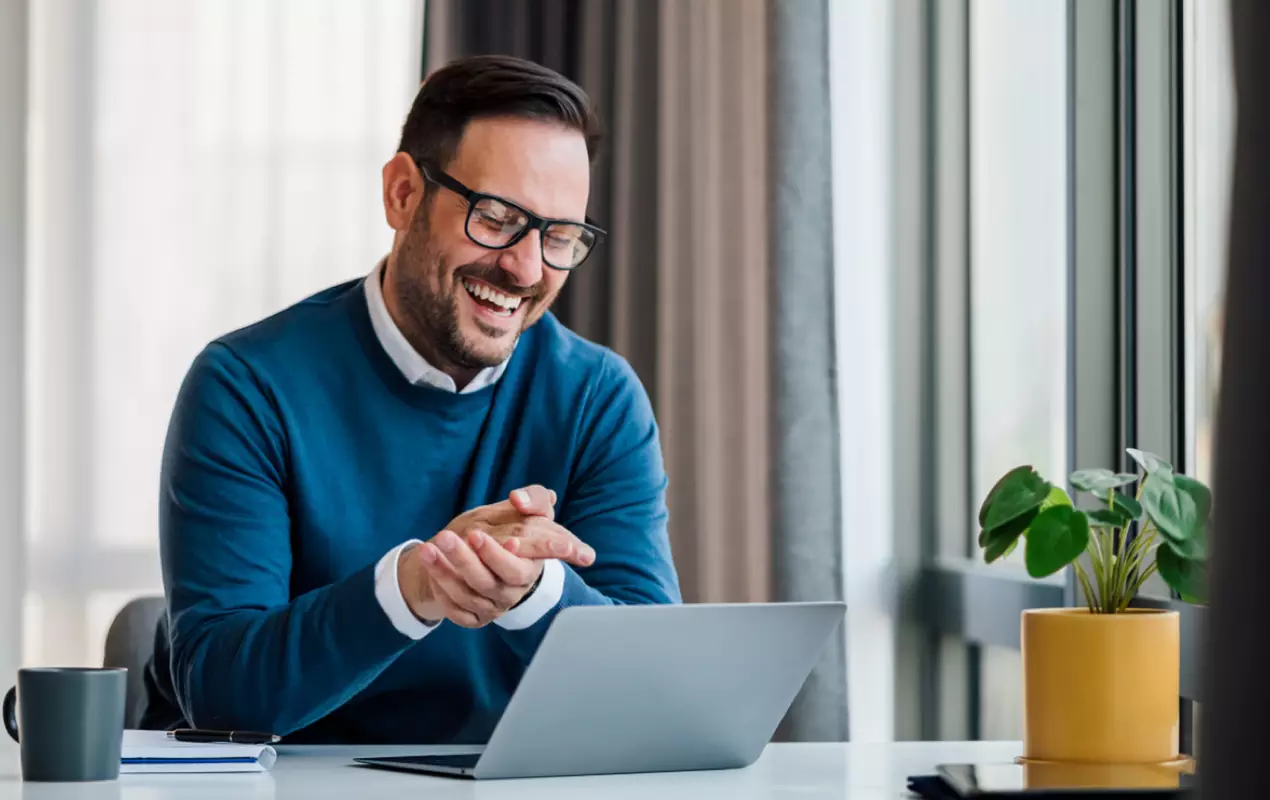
[(1183, 763)]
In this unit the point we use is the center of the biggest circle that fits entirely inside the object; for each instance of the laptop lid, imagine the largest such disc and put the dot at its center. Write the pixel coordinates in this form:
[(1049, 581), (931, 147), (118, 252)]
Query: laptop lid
[(631, 689)]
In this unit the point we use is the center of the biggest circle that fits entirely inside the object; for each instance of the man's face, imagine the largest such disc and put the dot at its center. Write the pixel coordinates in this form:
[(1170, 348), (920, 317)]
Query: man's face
[(465, 305)]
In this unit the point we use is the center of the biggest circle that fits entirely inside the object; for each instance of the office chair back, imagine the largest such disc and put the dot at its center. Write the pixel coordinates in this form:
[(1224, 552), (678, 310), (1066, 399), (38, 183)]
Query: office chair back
[(129, 643)]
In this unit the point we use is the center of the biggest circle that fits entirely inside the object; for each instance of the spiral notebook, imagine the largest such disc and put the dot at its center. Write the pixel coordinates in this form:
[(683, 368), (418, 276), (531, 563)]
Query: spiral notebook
[(153, 751)]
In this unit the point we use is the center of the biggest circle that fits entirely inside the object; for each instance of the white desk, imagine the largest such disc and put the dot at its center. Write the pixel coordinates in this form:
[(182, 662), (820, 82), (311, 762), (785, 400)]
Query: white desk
[(801, 771)]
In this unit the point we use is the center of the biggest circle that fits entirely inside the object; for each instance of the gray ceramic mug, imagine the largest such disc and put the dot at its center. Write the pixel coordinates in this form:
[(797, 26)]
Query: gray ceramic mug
[(69, 722)]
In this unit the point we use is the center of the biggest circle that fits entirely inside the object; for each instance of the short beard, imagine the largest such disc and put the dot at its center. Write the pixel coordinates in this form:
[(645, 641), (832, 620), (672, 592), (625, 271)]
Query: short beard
[(429, 299)]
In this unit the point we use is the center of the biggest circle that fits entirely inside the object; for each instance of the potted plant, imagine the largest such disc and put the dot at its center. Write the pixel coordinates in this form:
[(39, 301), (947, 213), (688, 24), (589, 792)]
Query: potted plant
[(1101, 681)]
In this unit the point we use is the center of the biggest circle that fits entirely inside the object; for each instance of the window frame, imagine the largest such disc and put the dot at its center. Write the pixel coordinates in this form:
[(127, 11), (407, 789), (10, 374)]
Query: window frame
[(1125, 285)]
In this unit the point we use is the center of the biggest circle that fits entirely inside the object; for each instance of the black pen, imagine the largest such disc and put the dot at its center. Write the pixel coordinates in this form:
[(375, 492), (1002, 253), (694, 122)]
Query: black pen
[(198, 736)]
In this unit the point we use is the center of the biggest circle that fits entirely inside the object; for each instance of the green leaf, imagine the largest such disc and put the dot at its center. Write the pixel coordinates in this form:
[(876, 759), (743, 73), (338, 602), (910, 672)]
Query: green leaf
[(1056, 497), (1194, 549), (1150, 461), (1183, 575), (1124, 504), (1020, 491), (1001, 541), (1010, 549), (1199, 493), (1000, 547), (1099, 481), (1055, 538), (1179, 508), (1108, 518)]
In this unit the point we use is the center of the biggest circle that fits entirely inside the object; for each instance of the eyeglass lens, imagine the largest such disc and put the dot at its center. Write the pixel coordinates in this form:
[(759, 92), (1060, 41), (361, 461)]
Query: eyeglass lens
[(495, 224)]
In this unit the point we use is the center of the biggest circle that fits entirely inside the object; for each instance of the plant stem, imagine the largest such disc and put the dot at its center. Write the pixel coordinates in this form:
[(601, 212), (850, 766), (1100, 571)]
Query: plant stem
[(1087, 588), (1138, 551), (1151, 570), (1128, 557), (1118, 544), (1142, 545), (1108, 599), (1100, 567)]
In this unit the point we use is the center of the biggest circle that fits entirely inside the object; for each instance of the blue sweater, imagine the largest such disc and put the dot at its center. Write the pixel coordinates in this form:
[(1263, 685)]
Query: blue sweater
[(298, 454)]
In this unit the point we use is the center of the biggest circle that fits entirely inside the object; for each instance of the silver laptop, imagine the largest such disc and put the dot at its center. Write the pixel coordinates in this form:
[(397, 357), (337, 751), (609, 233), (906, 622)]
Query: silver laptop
[(625, 689)]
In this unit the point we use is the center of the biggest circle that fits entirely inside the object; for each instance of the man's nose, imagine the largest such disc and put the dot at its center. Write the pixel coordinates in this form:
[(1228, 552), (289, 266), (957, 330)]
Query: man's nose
[(523, 260)]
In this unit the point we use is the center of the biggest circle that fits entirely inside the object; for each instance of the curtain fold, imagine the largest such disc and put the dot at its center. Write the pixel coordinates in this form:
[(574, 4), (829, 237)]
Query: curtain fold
[(807, 488), (718, 295)]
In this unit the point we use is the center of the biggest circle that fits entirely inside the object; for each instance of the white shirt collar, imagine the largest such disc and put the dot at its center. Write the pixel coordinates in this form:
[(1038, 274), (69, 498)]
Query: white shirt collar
[(413, 366)]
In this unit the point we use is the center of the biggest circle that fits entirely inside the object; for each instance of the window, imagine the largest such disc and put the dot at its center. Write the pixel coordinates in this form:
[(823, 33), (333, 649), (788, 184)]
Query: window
[(194, 166), (1208, 136), (1018, 274), (1018, 251), (1072, 204)]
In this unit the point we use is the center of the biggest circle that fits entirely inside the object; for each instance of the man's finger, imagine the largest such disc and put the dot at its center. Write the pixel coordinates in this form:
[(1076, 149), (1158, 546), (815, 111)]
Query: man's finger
[(534, 501), (460, 616), (447, 580), (539, 547), (561, 542), (539, 539), (507, 567), (438, 579), (467, 565)]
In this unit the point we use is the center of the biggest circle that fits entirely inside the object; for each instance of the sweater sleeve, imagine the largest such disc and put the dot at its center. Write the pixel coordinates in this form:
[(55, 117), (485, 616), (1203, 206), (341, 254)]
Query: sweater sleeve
[(615, 502), (244, 654)]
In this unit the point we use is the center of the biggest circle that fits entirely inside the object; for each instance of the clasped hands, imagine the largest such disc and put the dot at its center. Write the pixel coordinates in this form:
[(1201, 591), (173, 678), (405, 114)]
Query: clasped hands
[(487, 559)]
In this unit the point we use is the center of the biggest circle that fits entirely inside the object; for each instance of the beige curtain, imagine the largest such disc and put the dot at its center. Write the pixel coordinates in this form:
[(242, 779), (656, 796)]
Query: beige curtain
[(713, 292), (681, 286)]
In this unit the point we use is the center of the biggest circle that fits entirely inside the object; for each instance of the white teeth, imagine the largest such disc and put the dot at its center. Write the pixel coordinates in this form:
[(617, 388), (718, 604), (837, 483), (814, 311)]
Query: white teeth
[(509, 304)]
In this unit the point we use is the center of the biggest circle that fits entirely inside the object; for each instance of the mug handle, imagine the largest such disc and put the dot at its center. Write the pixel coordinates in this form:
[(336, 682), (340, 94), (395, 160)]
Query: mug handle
[(10, 715)]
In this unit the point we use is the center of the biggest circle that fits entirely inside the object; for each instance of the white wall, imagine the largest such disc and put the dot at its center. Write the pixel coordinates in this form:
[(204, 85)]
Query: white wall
[(13, 89)]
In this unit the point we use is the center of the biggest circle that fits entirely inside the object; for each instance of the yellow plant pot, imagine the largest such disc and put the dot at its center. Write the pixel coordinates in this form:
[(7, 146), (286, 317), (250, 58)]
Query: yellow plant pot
[(1100, 688)]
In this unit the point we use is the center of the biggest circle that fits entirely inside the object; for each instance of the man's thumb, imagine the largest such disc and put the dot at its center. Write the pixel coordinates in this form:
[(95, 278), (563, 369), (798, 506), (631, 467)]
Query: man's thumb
[(534, 500)]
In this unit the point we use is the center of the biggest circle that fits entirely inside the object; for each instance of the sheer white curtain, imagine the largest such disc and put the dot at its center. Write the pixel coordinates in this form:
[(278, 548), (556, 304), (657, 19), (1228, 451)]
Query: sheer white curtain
[(193, 167)]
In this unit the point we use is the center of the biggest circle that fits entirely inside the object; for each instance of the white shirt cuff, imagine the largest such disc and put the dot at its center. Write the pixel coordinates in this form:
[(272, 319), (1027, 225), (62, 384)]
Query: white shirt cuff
[(535, 606), (388, 593)]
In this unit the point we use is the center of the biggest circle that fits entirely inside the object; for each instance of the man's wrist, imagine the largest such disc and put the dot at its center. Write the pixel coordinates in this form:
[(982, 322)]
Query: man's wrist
[(390, 591), (537, 582), (537, 603), (413, 602)]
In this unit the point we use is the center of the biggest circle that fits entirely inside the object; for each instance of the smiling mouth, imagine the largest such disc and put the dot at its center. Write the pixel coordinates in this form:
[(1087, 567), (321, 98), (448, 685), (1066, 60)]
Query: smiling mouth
[(499, 304)]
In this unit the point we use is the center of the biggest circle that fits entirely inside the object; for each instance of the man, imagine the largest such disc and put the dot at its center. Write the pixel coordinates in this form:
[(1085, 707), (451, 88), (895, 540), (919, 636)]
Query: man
[(374, 502)]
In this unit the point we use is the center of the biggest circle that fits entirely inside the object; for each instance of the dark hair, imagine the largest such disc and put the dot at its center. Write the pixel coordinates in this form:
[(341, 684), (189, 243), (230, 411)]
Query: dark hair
[(491, 86)]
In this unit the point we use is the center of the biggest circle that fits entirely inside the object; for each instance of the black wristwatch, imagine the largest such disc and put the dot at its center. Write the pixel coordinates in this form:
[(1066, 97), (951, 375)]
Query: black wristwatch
[(531, 591)]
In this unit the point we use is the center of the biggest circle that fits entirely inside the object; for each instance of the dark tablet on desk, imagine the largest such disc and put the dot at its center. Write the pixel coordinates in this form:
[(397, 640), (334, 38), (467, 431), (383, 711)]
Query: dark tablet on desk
[(1074, 781), (461, 766)]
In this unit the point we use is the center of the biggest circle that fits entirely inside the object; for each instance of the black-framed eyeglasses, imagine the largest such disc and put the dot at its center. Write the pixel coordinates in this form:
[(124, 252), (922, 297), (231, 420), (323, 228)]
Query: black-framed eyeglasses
[(497, 224)]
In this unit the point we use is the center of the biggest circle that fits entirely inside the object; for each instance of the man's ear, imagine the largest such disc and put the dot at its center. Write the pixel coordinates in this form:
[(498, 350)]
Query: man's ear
[(403, 191)]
